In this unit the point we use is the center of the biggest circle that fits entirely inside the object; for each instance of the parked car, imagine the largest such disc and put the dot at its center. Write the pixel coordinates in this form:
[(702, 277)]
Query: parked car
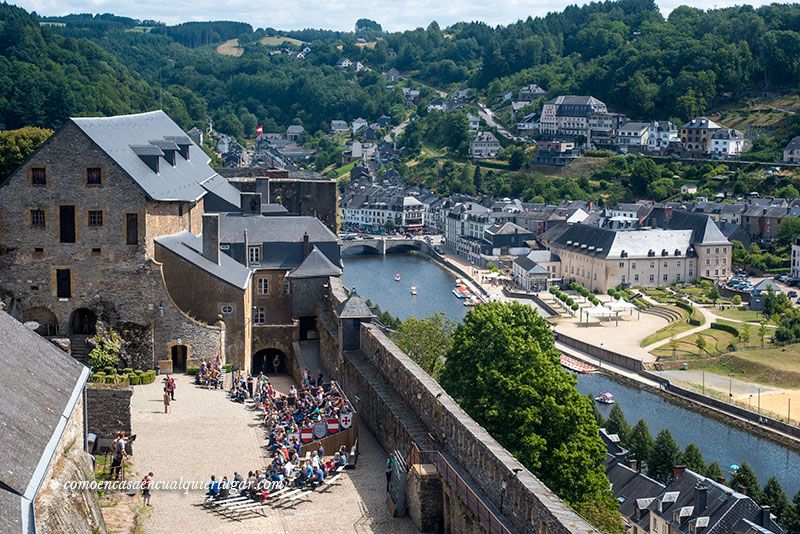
[(792, 294)]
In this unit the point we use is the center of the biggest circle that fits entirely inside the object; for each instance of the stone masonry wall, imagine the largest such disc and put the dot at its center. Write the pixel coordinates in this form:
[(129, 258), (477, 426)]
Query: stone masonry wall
[(108, 410), (528, 503)]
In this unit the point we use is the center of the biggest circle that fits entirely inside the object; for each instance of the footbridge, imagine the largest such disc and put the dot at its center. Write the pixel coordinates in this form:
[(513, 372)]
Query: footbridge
[(383, 245)]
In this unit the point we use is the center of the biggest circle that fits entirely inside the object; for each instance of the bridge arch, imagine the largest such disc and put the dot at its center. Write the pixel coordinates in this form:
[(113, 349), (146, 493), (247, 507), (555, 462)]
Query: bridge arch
[(402, 247), (359, 248)]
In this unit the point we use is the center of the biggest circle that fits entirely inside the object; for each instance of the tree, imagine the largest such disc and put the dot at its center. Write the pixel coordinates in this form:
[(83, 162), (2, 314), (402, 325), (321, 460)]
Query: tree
[(775, 498), (762, 332), (714, 472), (504, 371), (744, 333), (616, 424), (701, 343), (692, 458), (17, 145), (426, 341), (108, 348), (744, 479), (643, 173), (788, 229), (664, 458), (640, 442), (791, 521), (713, 293)]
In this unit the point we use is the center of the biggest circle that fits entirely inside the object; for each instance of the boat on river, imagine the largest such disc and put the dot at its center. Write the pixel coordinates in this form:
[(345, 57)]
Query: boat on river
[(397, 277), (413, 290), (461, 291), (605, 398)]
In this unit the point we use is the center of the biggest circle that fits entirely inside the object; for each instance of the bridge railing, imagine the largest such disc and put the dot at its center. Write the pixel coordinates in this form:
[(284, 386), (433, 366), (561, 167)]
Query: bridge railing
[(471, 500)]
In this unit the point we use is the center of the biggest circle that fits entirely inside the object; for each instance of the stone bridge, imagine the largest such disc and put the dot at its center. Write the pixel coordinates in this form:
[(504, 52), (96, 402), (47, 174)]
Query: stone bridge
[(384, 245)]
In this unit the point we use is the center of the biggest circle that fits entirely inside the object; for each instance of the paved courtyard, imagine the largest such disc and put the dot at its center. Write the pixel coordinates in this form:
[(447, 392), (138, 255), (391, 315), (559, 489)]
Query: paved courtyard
[(208, 434)]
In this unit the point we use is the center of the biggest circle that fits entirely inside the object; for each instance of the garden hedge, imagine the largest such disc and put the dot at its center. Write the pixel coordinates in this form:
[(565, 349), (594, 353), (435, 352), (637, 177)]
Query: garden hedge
[(726, 328)]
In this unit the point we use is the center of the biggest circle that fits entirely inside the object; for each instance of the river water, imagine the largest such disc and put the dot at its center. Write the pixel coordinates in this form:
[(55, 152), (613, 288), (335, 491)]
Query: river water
[(372, 277)]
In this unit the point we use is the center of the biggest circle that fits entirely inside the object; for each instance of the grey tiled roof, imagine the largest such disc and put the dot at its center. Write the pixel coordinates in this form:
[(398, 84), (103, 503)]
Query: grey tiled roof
[(272, 229), (39, 385), (116, 135), (316, 265), (221, 187), (190, 248), (530, 266), (354, 308), (704, 229)]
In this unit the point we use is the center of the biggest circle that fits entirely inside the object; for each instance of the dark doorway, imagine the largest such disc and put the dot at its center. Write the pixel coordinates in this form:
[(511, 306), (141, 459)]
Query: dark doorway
[(66, 224), (179, 354), (264, 360), (308, 328), (132, 228), (83, 322), (63, 284)]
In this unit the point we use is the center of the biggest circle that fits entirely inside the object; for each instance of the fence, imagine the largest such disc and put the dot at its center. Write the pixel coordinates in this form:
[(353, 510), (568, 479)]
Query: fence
[(457, 483), (604, 355), (332, 442)]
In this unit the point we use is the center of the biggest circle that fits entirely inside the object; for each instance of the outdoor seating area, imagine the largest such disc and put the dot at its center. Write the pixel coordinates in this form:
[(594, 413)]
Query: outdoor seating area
[(610, 311)]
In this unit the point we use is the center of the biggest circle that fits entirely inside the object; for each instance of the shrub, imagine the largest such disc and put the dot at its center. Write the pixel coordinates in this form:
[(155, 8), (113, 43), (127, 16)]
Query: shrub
[(98, 378), (737, 299), (726, 328), (228, 367), (127, 370), (150, 376), (111, 379), (574, 307), (133, 379), (192, 371), (109, 370), (685, 305), (695, 322)]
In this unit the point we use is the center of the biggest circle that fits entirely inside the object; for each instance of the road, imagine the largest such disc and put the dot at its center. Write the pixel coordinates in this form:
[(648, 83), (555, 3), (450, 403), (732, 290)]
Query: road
[(488, 116)]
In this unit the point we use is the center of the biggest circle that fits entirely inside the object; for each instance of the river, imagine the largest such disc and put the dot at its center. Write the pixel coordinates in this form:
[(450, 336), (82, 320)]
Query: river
[(372, 277)]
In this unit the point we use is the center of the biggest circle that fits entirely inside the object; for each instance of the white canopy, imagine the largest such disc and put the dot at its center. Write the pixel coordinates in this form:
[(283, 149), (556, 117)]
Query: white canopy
[(598, 311), (619, 305)]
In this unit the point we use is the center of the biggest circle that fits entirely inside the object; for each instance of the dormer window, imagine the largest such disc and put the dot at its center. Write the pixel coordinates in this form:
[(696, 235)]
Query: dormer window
[(149, 154)]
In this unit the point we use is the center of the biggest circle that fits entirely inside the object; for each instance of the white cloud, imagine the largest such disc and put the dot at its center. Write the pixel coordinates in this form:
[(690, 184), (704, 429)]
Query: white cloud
[(328, 14)]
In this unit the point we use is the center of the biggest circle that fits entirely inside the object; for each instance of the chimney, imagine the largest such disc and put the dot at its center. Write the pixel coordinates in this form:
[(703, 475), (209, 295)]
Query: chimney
[(262, 186), (251, 203), (702, 497), (679, 469), (306, 245), (211, 237), (765, 519), (632, 463)]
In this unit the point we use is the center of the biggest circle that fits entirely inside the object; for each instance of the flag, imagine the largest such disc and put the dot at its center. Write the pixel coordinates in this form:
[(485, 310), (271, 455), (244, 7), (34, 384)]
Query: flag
[(306, 434), (260, 129), (333, 425), (345, 421)]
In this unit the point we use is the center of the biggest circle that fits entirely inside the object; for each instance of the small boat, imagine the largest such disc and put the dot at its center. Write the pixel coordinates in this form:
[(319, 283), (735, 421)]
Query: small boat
[(413, 290), (397, 277), (605, 398)]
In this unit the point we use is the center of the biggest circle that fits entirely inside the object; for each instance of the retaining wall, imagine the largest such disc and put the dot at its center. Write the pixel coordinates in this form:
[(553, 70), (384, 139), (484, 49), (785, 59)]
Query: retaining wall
[(605, 355)]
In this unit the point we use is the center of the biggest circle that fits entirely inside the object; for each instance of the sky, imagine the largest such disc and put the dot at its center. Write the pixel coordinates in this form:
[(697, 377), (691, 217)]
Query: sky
[(393, 15)]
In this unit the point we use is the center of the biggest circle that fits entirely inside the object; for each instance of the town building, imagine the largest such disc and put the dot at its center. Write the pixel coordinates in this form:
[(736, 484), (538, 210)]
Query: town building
[(465, 225), (632, 136), (555, 153), (727, 143), (132, 198), (531, 92), (570, 116), (358, 124), (791, 153), (338, 126), (537, 270), (294, 132), (379, 208), (504, 239), (696, 136), (528, 123), (474, 122), (795, 265), (659, 136), (484, 145)]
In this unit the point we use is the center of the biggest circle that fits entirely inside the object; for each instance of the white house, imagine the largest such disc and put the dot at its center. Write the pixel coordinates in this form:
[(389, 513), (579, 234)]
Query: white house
[(689, 189), (791, 154), (358, 124), (474, 122), (528, 123), (727, 143), (339, 126), (485, 145), (660, 134), (632, 135)]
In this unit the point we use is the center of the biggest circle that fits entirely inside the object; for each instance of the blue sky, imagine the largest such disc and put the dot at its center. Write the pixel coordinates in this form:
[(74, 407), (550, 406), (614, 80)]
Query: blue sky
[(329, 14)]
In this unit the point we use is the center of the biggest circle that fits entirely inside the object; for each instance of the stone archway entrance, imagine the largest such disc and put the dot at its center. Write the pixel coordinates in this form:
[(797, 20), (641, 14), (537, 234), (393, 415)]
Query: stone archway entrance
[(48, 322), (179, 354), (265, 359), (83, 322)]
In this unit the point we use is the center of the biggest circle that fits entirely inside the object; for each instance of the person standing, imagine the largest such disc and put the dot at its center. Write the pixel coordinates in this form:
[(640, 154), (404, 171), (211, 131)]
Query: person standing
[(170, 387), (166, 400), (118, 455), (146, 481), (389, 469), (276, 363)]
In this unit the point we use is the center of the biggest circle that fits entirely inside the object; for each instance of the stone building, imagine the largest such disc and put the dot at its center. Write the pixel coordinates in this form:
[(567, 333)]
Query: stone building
[(117, 222), (43, 443)]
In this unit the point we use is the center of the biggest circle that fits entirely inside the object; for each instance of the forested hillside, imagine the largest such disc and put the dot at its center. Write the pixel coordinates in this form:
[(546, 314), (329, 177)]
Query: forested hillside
[(623, 52)]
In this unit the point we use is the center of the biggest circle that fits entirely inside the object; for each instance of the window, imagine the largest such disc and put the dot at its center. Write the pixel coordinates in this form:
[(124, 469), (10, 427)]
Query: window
[(716, 251), (708, 251), (66, 220), (665, 277), (226, 309), (254, 254), (132, 228), (652, 278), (93, 176), (678, 277), (679, 264), (63, 284), (708, 261), (708, 273), (38, 250), (95, 218), (37, 218), (259, 316), (652, 264), (287, 288), (716, 272), (622, 264), (38, 176), (96, 251), (633, 266), (666, 265), (635, 277), (691, 272), (263, 286)]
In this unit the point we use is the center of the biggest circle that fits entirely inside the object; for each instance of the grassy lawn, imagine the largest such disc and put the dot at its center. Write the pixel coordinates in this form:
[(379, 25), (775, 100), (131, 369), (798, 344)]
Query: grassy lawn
[(230, 48), (716, 343), (674, 328), (741, 314), (659, 294), (698, 295), (344, 169), (775, 366), (278, 40)]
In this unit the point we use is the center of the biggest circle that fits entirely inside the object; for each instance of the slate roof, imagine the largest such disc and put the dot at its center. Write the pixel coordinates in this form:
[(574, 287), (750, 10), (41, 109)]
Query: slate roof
[(704, 230), (702, 123), (295, 129), (116, 135), (794, 144), (508, 228), (316, 265), (190, 248), (39, 387), (530, 266), (272, 229), (603, 243), (354, 308), (629, 487), (543, 256), (632, 126), (221, 187), (727, 133)]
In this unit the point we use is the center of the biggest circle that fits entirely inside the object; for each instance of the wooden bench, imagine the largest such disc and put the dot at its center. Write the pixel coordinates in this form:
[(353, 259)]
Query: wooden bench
[(295, 499)]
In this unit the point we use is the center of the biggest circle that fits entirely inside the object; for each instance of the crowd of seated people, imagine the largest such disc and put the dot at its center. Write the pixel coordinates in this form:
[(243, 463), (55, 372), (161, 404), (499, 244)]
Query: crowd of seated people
[(210, 376)]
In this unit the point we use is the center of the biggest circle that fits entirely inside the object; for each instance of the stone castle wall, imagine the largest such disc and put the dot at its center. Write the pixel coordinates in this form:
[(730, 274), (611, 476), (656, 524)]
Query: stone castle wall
[(108, 410)]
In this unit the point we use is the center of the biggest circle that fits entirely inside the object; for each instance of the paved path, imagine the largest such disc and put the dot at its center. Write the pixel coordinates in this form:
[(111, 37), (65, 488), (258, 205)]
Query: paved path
[(709, 318), (207, 434), (715, 381)]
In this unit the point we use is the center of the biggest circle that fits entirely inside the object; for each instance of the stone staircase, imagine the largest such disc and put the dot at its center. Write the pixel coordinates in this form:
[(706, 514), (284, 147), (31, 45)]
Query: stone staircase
[(664, 312), (78, 348)]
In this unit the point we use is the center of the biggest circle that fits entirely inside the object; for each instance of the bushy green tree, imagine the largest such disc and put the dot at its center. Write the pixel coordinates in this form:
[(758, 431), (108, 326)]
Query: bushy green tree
[(744, 479), (427, 341), (616, 424), (714, 472), (641, 443), (17, 145), (775, 498), (692, 458), (664, 458), (108, 348), (505, 372)]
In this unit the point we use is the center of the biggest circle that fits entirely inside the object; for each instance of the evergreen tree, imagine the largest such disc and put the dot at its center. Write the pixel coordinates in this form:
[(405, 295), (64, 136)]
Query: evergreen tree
[(714, 472), (692, 458), (477, 179), (775, 498), (616, 424), (791, 521), (744, 479), (664, 458), (640, 443)]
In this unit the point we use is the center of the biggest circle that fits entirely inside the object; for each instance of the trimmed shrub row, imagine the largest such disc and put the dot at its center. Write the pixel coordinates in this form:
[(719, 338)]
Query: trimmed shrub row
[(133, 378), (575, 286), (725, 328), (563, 297), (685, 305)]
